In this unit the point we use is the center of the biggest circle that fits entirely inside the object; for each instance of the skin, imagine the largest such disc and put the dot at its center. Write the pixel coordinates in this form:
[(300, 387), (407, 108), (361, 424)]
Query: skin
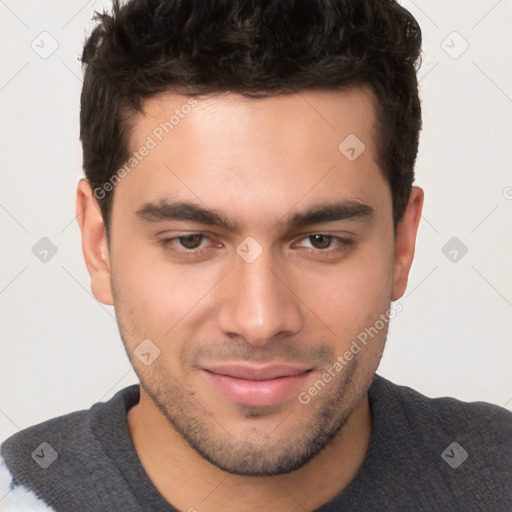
[(257, 162)]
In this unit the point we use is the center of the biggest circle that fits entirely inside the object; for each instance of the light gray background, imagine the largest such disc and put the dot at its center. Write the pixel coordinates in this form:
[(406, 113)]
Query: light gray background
[(60, 349)]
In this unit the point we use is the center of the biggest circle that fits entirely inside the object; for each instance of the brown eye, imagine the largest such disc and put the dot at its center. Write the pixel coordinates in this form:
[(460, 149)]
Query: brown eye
[(191, 241), (320, 241)]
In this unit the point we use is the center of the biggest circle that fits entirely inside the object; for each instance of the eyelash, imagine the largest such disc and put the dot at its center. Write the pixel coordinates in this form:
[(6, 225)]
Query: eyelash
[(343, 245), (166, 244)]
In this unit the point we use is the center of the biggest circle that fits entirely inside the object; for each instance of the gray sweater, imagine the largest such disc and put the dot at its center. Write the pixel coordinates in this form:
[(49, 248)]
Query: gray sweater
[(425, 455)]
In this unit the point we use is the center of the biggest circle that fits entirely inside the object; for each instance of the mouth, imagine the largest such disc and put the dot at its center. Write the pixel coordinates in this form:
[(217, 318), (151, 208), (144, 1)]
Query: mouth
[(257, 386)]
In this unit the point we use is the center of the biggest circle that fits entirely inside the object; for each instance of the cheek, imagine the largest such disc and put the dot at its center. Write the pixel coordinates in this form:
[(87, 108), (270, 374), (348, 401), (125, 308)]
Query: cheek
[(158, 295), (350, 296)]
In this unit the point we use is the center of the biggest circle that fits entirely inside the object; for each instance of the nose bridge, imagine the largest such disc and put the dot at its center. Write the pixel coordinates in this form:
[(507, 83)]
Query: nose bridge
[(257, 305)]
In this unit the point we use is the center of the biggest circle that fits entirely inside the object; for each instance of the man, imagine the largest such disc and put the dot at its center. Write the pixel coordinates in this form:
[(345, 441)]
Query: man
[(249, 212)]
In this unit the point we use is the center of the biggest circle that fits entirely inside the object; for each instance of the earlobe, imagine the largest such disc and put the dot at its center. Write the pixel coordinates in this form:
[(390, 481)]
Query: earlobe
[(94, 242), (405, 241)]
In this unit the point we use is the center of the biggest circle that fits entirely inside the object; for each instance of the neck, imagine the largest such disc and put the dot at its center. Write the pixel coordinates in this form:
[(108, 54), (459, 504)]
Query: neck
[(189, 482)]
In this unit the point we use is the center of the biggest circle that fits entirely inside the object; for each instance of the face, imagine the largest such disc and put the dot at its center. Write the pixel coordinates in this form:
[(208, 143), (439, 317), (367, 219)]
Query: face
[(252, 250)]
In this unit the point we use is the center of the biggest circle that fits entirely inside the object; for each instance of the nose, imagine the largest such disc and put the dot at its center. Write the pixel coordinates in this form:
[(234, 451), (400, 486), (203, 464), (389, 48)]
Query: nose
[(257, 303)]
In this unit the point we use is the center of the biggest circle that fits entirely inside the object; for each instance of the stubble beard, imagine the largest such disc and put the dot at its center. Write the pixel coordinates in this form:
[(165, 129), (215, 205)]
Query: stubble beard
[(287, 447)]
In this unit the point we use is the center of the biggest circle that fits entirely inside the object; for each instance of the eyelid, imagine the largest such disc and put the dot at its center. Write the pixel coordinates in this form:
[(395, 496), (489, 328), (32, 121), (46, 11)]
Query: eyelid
[(340, 239), (167, 243), (341, 235)]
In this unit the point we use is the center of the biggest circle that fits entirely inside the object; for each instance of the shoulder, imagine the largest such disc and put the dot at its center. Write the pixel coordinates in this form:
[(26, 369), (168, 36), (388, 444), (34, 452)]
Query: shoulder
[(54, 438), (17, 498), (483, 430), (38, 444), (448, 412), (26, 456), (62, 457)]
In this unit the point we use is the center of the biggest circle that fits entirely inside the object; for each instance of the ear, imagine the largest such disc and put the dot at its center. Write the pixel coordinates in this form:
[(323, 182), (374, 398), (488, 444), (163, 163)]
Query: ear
[(405, 241), (94, 242)]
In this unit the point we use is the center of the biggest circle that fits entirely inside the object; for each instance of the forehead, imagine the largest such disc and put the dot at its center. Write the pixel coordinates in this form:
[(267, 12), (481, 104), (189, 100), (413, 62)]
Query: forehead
[(281, 120), (245, 155)]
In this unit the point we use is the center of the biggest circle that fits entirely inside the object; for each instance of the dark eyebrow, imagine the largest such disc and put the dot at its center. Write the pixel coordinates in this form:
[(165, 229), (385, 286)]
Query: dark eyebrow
[(331, 212), (169, 210)]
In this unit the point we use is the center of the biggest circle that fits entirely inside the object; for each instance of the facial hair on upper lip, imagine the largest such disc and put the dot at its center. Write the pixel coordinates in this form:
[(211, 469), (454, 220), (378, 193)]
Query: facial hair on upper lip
[(282, 351)]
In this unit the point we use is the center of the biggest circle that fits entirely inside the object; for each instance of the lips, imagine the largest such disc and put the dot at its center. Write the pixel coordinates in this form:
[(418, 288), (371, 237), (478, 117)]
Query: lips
[(267, 372), (257, 386)]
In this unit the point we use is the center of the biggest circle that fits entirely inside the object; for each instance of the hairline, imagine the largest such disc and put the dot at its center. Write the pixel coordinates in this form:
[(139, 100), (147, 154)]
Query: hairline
[(130, 113)]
